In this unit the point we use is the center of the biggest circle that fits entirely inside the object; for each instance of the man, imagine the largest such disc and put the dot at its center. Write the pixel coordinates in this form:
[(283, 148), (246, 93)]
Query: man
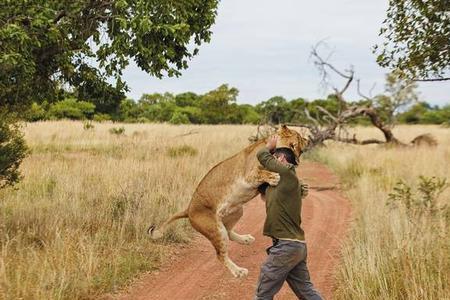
[(287, 256)]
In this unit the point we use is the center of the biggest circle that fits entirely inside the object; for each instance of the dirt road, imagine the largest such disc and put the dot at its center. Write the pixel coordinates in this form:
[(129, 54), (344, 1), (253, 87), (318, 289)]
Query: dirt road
[(195, 273)]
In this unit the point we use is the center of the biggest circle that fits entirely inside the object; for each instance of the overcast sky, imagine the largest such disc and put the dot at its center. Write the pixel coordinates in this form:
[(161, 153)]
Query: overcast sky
[(262, 48)]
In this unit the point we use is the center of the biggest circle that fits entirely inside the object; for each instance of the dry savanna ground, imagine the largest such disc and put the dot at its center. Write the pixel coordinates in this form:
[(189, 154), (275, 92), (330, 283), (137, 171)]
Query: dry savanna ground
[(75, 226)]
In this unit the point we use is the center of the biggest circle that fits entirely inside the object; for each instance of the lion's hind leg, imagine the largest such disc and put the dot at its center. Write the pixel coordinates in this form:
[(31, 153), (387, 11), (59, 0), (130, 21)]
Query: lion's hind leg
[(207, 224), (229, 221)]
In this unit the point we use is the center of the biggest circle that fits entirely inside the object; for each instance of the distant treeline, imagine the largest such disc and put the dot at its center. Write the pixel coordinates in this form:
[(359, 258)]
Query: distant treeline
[(215, 107)]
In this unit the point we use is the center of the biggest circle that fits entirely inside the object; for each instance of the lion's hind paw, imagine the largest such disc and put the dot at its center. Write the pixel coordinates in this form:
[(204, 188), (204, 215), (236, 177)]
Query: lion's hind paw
[(240, 272)]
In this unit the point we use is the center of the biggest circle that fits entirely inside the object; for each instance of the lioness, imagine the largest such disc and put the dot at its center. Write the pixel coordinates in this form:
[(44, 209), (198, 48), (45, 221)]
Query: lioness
[(216, 205)]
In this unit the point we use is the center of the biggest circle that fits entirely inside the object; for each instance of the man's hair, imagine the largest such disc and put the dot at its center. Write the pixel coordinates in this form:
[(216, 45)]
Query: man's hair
[(288, 153)]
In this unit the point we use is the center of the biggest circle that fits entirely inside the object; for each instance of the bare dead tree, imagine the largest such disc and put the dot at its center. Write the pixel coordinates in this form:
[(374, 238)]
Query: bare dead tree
[(326, 130), (324, 127), (376, 120)]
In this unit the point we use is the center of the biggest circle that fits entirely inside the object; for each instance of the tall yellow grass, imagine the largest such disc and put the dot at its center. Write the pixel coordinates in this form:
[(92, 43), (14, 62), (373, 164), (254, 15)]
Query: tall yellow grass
[(75, 226), (389, 254)]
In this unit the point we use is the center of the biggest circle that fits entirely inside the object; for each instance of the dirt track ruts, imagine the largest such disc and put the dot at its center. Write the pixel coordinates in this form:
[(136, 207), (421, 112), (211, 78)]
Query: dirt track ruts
[(195, 273)]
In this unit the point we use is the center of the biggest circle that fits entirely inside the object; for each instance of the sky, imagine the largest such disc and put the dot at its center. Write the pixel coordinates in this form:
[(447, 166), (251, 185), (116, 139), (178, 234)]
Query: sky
[(263, 47)]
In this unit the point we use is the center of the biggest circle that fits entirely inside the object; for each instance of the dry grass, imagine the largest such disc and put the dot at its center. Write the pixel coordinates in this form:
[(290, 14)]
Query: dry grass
[(75, 226), (390, 253)]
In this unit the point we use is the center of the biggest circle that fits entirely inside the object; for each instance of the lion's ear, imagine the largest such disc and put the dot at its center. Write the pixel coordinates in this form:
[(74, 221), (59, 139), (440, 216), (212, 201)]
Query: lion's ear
[(284, 127), (303, 141)]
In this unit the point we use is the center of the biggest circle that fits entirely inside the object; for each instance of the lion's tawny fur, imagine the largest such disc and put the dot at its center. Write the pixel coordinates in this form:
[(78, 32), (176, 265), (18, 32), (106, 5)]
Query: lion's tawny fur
[(216, 205)]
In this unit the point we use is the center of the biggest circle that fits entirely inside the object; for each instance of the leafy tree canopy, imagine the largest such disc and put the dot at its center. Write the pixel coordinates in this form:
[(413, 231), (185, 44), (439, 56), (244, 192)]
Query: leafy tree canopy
[(47, 45), (417, 38), (218, 105), (397, 104), (275, 109)]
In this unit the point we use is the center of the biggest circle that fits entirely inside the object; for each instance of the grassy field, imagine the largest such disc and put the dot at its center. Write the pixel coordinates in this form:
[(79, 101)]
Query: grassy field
[(396, 249), (75, 226)]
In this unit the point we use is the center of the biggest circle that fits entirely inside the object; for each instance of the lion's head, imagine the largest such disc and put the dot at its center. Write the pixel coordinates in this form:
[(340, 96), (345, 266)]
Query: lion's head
[(291, 139)]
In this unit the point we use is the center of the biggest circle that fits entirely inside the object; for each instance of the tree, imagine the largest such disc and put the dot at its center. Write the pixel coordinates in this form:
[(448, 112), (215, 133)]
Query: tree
[(103, 95), (415, 114), (249, 114), (417, 35), (436, 116), (319, 107), (129, 111), (157, 107), (398, 93), (35, 113), (216, 105), (276, 109), (179, 117), (72, 109), (423, 113), (187, 99), (324, 128), (12, 150), (49, 45), (297, 108), (156, 98)]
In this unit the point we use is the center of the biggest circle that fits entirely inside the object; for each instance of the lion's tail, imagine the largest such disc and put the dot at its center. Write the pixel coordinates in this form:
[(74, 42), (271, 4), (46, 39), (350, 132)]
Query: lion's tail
[(158, 233)]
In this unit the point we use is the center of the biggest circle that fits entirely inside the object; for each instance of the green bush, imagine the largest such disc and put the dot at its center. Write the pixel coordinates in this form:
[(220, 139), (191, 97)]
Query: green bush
[(129, 111), (250, 115), (102, 117), (184, 150), (88, 125), (12, 150), (72, 109), (35, 113), (194, 114), (117, 130), (179, 118), (422, 200), (142, 120)]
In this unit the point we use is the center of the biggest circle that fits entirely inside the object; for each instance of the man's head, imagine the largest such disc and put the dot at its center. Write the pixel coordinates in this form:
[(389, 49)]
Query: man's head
[(285, 155)]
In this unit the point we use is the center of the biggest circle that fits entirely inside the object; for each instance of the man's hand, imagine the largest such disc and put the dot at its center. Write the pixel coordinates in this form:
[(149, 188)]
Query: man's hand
[(305, 189), (272, 142)]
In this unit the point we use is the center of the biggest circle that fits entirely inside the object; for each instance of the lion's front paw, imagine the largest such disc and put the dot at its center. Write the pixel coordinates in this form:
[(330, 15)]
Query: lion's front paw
[(239, 272), (244, 239), (273, 179)]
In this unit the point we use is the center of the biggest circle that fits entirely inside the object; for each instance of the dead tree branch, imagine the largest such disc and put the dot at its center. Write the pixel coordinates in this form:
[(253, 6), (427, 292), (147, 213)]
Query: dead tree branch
[(346, 112), (431, 79), (358, 89), (324, 127)]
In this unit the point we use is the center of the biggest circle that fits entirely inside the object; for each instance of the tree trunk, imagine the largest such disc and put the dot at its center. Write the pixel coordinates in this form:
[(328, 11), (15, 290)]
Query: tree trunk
[(377, 122)]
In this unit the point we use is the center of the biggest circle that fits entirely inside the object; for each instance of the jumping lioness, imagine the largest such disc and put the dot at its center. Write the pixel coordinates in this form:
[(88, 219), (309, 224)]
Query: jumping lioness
[(216, 204)]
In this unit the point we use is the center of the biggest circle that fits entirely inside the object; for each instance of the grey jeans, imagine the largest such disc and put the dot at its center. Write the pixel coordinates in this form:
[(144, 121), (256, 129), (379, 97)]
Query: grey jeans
[(286, 261)]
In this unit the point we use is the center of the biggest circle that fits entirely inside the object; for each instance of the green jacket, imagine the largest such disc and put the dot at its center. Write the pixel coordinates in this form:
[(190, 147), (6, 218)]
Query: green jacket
[(283, 202)]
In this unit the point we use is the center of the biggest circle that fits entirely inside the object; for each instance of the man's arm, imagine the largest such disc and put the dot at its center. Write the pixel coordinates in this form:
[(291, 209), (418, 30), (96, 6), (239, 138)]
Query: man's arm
[(266, 159)]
